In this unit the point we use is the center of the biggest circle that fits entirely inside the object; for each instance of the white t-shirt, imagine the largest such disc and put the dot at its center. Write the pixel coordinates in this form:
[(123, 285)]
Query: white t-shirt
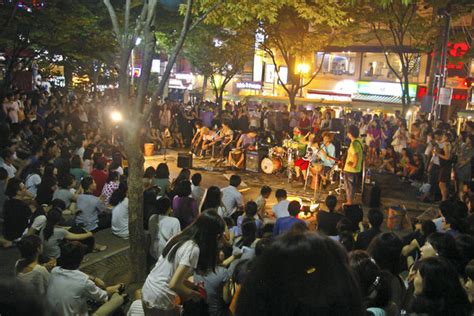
[(167, 228), (120, 219), (281, 209), (232, 199), (32, 182), (156, 292), (11, 170), (136, 309)]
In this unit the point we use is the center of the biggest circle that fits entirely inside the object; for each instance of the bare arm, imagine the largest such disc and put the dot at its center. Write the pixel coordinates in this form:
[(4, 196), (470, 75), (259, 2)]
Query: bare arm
[(179, 283)]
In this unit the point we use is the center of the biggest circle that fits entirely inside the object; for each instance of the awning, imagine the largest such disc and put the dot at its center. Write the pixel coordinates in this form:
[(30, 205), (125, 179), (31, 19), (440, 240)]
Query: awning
[(378, 98)]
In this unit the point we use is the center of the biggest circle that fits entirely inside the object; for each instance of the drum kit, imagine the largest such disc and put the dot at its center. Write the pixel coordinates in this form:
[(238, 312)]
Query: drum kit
[(281, 158)]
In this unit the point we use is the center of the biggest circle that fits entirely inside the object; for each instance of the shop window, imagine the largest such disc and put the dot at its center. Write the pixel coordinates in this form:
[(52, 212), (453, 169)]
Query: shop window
[(336, 64), (375, 67)]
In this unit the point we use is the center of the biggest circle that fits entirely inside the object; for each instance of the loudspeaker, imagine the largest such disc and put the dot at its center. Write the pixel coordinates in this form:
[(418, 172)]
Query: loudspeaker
[(355, 214), (185, 160), (371, 195), (253, 159)]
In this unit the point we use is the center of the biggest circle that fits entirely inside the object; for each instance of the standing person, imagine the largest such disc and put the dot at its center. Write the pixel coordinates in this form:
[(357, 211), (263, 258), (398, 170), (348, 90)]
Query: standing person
[(232, 199), (353, 165), (464, 153), (400, 138), (69, 289), (444, 153), (284, 224), (195, 248), (162, 227), (374, 135), (281, 208)]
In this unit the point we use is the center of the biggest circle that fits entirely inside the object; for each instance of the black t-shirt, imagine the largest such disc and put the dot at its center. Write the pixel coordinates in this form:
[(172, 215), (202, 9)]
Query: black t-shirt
[(16, 216), (327, 222), (364, 238)]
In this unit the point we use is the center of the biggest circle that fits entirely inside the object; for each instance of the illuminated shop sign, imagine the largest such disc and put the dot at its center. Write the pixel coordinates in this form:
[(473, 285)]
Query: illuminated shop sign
[(249, 85)]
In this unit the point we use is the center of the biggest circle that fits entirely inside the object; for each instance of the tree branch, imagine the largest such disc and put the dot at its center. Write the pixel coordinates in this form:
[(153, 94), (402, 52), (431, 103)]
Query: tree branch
[(203, 16), (127, 16), (114, 19)]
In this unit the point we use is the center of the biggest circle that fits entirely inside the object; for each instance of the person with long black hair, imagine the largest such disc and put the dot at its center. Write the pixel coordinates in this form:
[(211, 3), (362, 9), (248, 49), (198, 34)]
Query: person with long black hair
[(195, 248), (213, 200), (16, 212), (27, 269), (300, 274), (374, 284), (438, 290), (48, 185), (52, 235), (185, 208)]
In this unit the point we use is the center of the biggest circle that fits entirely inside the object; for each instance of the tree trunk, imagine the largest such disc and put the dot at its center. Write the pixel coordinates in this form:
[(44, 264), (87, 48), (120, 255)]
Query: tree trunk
[(67, 76), (204, 86), (135, 204), (405, 94), (292, 97)]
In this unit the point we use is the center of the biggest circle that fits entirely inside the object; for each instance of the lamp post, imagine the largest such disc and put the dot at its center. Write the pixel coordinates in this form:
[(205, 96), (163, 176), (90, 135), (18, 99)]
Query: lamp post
[(302, 69)]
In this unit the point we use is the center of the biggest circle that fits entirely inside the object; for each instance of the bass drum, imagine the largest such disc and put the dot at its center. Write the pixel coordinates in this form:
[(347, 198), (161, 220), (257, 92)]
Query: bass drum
[(271, 165)]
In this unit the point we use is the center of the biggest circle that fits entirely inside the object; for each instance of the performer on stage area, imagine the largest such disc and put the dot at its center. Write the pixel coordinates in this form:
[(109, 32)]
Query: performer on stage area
[(223, 140), (323, 160), (353, 165), (245, 142), (304, 152)]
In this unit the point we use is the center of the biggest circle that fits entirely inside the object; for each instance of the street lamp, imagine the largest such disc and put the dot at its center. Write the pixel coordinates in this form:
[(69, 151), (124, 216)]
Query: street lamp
[(302, 69)]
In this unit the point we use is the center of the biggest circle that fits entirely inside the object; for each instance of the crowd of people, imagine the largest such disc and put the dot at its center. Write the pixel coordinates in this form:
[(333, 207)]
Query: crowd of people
[(211, 252)]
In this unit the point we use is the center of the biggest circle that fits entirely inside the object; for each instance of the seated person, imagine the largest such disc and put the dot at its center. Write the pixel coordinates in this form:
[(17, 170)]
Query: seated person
[(327, 221), (415, 170), (388, 160), (237, 155), (208, 140), (323, 160), (90, 206), (281, 208), (69, 289), (284, 224), (223, 140), (364, 238)]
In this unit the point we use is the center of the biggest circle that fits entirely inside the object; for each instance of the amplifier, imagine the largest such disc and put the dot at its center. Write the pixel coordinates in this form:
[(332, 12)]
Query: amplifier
[(185, 160), (253, 159)]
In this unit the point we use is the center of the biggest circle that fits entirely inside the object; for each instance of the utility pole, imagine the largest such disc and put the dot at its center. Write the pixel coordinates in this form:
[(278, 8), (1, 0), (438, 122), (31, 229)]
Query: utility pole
[(441, 74)]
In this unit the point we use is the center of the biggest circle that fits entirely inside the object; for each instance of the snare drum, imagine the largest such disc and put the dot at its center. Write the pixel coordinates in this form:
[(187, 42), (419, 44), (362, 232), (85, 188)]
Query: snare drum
[(271, 165)]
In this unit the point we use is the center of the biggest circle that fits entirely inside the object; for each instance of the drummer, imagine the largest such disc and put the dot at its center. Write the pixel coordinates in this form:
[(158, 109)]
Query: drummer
[(245, 142), (323, 160), (301, 141), (302, 163)]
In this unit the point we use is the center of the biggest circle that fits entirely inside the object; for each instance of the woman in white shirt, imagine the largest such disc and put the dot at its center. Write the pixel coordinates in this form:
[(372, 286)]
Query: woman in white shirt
[(195, 248), (119, 201), (162, 227), (27, 270), (33, 179)]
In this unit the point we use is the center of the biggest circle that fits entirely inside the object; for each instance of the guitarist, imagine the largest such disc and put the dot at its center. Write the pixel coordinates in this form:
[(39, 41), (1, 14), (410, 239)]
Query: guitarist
[(324, 158), (353, 165)]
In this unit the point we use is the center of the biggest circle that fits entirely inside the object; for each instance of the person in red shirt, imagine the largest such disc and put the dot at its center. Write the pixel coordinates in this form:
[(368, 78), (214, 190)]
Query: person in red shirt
[(99, 176), (304, 124)]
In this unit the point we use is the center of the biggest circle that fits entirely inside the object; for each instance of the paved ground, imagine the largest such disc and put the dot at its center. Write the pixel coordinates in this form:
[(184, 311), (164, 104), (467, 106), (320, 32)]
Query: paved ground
[(112, 264)]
